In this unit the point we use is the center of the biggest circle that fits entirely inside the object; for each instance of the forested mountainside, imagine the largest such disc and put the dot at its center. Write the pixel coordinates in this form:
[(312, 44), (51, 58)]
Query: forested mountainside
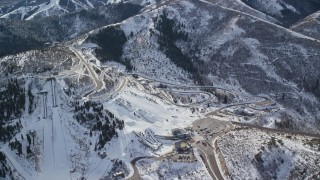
[(159, 89)]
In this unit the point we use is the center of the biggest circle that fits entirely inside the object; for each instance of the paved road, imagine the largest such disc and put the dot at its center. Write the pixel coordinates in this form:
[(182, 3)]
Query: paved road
[(194, 104), (98, 82), (220, 127), (136, 174), (208, 150), (207, 146), (122, 85), (115, 92), (281, 131), (177, 85), (210, 162), (217, 128)]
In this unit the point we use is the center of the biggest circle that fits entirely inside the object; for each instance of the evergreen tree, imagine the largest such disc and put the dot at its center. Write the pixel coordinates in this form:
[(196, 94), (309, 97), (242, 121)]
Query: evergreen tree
[(225, 101), (29, 139), (29, 150)]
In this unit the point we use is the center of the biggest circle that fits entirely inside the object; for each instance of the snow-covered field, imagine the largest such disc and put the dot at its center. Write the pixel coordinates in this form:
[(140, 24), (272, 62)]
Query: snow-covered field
[(241, 66), (151, 169), (255, 154), (65, 150)]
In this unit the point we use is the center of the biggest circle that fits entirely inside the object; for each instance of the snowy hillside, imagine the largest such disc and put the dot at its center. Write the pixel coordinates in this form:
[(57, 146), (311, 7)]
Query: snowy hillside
[(66, 142), (189, 89), (264, 156), (42, 8), (38, 9), (309, 26), (18, 36), (286, 11), (224, 48)]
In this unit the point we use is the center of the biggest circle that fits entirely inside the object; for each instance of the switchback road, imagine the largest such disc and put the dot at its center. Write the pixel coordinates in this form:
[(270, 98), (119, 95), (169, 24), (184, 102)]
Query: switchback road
[(98, 82)]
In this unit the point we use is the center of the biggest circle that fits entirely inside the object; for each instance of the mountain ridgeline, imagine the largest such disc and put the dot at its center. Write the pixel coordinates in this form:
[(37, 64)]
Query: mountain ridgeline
[(19, 36), (288, 12), (215, 44), (94, 89)]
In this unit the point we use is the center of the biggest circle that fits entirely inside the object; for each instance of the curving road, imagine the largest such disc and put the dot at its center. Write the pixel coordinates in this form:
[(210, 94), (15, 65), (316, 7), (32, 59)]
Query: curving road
[(136, 174), (177, 85), (225, 126), (111, 94), (207, 150), (98, 82), (281, 131), (207, 146), (216, 128)]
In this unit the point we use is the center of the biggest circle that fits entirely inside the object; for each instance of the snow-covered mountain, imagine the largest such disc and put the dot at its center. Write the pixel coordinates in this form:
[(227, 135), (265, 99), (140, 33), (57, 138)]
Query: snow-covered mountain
[(17, 36), (224, 46), (189, 89), (309, 26), (286, 11), (31, 9), (37, 9)]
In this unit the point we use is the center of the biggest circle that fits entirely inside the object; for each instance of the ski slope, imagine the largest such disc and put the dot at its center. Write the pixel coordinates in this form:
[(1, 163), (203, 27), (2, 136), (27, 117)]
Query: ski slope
[(45, 7), (55, 163)]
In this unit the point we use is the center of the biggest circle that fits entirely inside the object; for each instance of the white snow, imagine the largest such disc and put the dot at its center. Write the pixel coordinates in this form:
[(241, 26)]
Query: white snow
[(240, 149)]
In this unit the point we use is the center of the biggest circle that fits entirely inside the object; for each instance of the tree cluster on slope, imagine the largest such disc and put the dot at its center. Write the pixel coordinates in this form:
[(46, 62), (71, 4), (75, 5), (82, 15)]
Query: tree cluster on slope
[(110, 41), (312, 86), (4, 168), (8, 131), (18, 36), (17, 146), (93, 116), (31, 100), (169, 33), (12, 44), (12, 103)]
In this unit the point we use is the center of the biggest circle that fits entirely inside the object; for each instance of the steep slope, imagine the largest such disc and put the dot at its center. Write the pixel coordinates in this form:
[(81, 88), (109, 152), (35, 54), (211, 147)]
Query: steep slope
[(41, 8), (261, 57), (240, 6), (37, 9), (78, 138), (109, 91), (18, 9), (17, 35), (309, 26), (286, 11), (227, 47)]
